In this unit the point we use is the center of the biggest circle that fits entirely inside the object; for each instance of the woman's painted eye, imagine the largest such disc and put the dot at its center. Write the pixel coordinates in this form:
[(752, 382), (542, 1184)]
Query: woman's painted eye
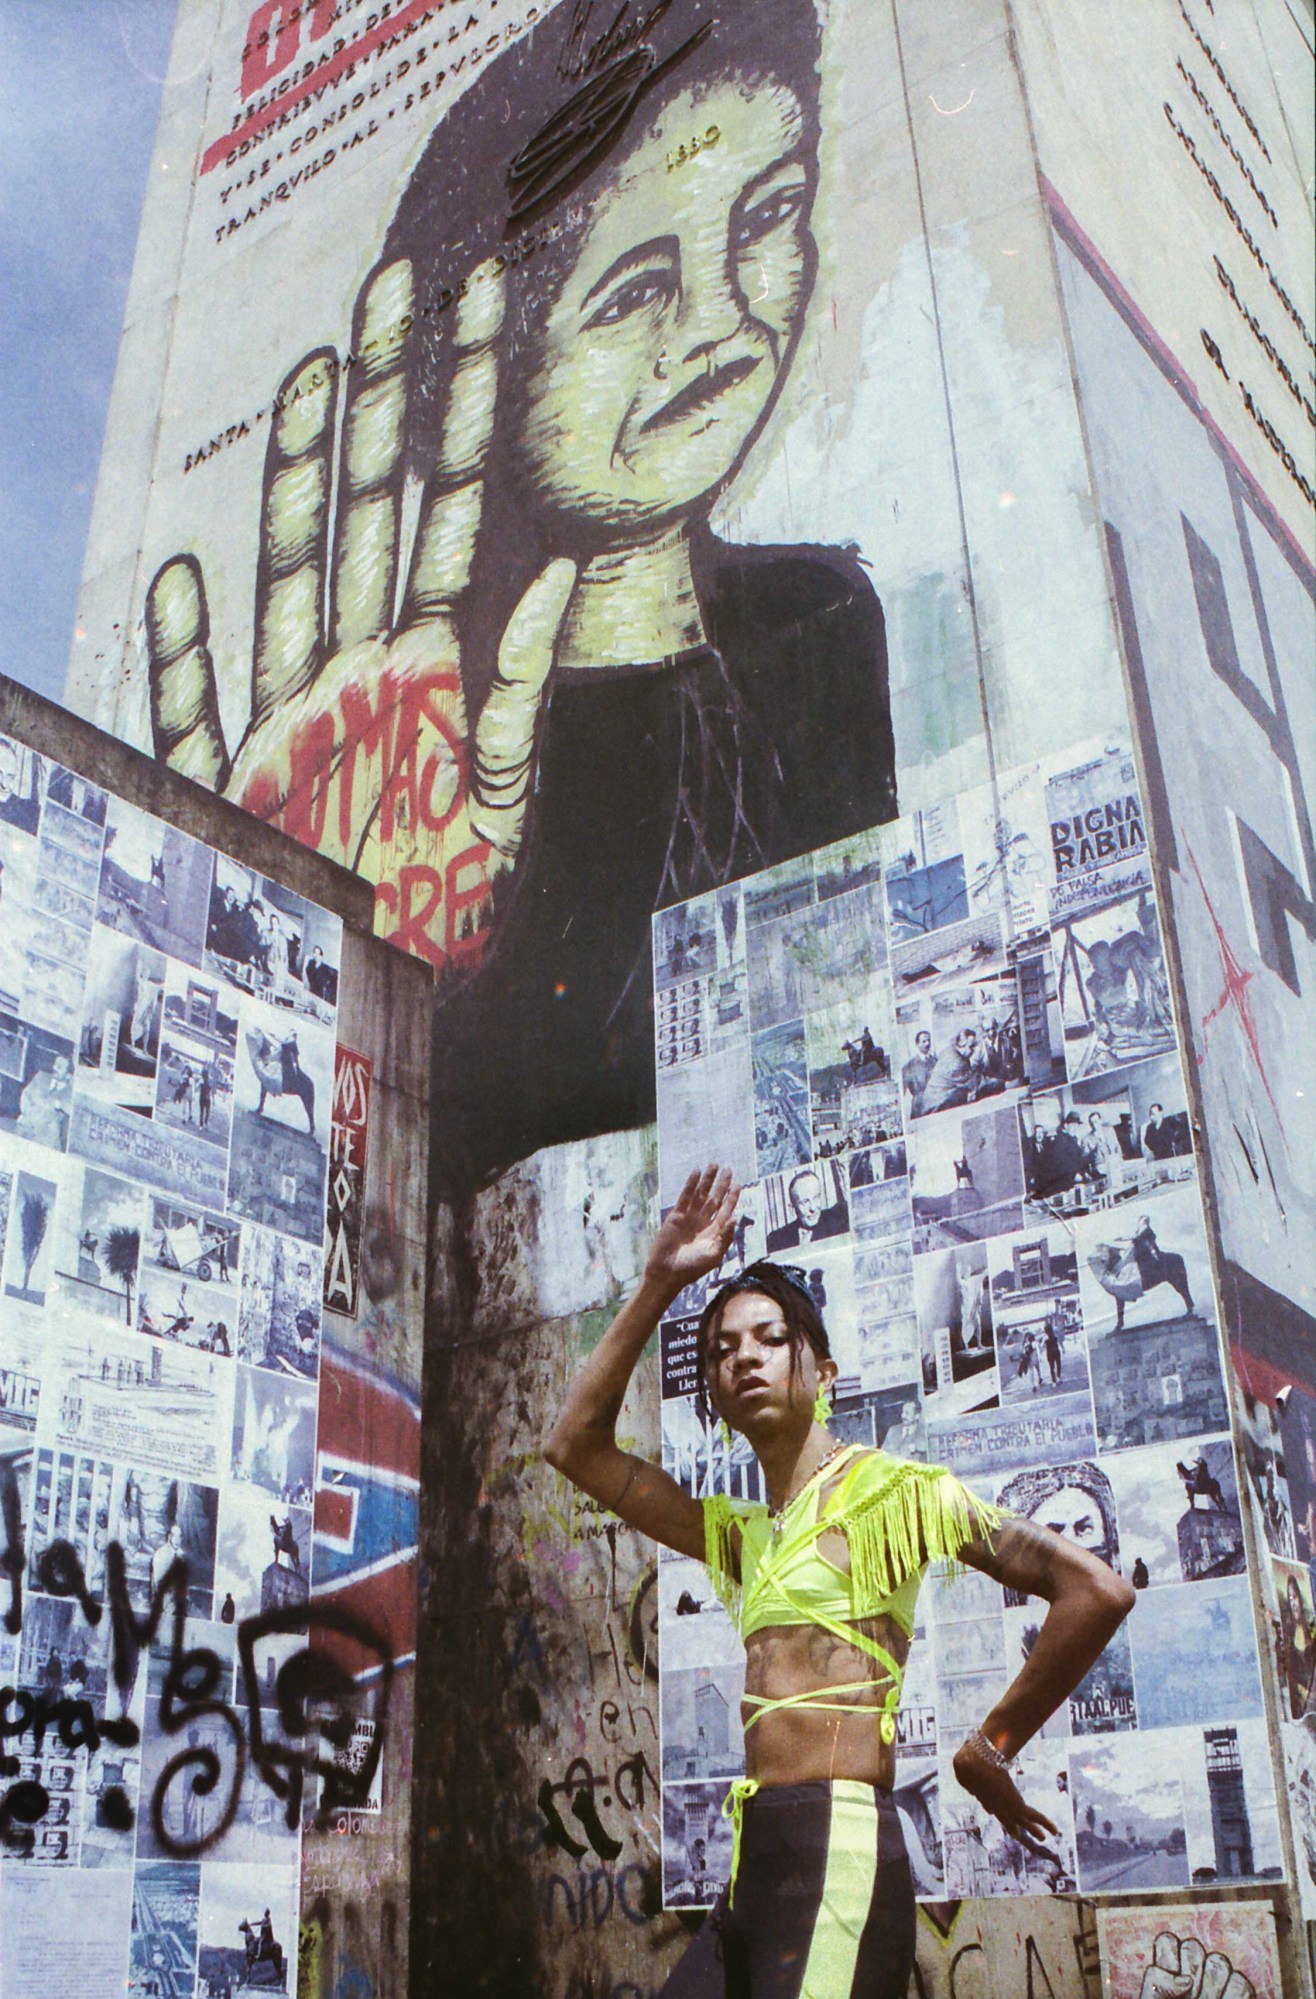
[(645, 289), (777, 209)]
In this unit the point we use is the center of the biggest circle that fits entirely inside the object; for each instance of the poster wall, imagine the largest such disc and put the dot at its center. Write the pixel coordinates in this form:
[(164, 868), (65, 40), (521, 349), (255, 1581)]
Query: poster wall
[(954, 1094), (167, 1096)]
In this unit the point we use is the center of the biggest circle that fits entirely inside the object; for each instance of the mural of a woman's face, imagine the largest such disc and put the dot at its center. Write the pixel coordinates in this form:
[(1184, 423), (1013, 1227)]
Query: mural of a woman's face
[(660, 355)]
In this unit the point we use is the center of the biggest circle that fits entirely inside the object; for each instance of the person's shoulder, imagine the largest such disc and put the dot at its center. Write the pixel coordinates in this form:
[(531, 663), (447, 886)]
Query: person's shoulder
[(802, 580)]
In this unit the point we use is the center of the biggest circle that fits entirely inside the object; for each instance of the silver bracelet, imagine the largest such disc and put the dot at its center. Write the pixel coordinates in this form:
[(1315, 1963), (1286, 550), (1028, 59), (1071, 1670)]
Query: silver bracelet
[(980, 1746)]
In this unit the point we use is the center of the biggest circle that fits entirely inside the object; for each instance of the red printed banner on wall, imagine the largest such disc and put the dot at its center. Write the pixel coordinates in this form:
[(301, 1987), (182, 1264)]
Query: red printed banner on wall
[(347, 1179)]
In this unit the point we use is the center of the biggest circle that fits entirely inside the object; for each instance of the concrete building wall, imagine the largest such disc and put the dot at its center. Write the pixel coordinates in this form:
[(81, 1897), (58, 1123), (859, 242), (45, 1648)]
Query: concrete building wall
[(908, 454)]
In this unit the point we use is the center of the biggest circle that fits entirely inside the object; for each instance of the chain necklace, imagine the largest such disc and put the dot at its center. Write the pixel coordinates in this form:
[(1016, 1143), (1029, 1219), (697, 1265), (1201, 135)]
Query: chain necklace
[(777, 1514)]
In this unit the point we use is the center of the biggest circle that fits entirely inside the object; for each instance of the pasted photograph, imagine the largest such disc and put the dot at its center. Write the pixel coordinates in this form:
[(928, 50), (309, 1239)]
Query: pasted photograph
[(166, 1896), (1075, 1500), (22, 785), (854, 1099), (966, 1176), (806, 1206), (969, 951), (880, 1192), (847, 864), (1113, 985), (279, 1317), (701, 1732), (885, 1419), (119, 1395), (267, 941), (884, 1278), (184, 1240), (98, 1242), (1195, 1654), (1128, 1815), (248, 1928), (1296, 1650), (281, 1117), (953, 1299), (1103, 1702), (816, 956), (1098, 834), (60, 1655), (122, 1009), (1046, 1433), (1230, 1806), (154, 883), (154, 1518), (1230, 1809), (36, 1082), (1040, 1348), (959, 1046), (925, 881), (685, 942), (172, 1157), (783, 1133), (1261, 1441), (890, 1354), (178, 1308), (681, 1023), (696, 1845), (779, 891), (274, 1435), (1111, 1139), (701, 1459), (198, 1059), (1149, 1313), (1179, 1505), (717, 1094), (1007, 850), (18, 860), (263, 1560), (29, 1265), (979, 1851)]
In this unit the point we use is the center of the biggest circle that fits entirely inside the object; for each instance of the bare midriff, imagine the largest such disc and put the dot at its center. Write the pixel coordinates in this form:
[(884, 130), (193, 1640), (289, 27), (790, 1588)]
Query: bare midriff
[(801, 1745)]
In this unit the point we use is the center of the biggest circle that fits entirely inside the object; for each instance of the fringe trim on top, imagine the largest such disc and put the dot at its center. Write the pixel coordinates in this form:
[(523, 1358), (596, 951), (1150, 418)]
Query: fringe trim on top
[(920, 1514), (721, 1555)]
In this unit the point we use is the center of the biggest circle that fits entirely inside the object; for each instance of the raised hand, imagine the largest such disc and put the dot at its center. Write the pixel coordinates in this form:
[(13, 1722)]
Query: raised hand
[(358, 740), (1182, 1968), (696, 1233)]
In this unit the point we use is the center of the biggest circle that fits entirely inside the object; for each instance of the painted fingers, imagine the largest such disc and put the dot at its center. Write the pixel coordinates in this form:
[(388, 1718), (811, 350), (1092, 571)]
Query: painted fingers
[(454, 498), (184, 702), (505, 732)]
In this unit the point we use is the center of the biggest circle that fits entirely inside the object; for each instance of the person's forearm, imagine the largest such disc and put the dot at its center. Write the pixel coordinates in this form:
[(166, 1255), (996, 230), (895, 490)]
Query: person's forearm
[(1079, 1625), (589, 1415)]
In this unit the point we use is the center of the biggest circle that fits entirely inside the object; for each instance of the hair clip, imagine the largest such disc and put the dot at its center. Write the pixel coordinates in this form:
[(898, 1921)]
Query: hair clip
[(792, 1272)]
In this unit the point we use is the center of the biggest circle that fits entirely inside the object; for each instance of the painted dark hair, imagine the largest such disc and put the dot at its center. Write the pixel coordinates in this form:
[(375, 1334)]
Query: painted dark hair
[(460, 207), (804, 1322)]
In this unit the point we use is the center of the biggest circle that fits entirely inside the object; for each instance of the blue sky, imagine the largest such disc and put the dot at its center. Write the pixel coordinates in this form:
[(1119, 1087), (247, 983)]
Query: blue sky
[(80, 85)]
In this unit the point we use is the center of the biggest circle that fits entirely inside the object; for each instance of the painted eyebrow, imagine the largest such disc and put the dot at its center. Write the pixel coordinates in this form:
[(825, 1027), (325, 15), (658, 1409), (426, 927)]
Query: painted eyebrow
[(636, 259), (794, 158)]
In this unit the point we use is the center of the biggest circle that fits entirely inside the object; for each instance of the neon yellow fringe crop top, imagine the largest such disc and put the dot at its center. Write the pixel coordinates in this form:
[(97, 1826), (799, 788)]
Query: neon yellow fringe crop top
[(896, 1517)]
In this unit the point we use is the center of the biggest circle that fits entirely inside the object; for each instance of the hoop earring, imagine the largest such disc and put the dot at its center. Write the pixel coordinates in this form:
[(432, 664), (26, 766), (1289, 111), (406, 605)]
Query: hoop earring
[(822, 1405)]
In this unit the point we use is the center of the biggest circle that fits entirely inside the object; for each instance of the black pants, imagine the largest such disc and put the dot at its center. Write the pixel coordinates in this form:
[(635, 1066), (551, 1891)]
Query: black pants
[(822, 1906)]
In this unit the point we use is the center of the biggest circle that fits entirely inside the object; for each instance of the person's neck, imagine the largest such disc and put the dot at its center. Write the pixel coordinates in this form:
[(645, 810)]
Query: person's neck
[(790, 1462), (633, 606)]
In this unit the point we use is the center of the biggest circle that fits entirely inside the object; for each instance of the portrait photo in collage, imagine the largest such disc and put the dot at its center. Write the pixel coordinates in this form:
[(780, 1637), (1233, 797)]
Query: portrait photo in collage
[(941, 1057), (167, 1034)]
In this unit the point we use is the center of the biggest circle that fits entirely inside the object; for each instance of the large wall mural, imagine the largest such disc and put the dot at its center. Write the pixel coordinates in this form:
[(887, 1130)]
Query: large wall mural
[(616, 479)]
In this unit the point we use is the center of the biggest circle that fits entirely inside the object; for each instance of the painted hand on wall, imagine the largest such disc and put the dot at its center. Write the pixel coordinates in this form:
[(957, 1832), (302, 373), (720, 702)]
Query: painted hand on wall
[(359, 742), (1181, 1968)]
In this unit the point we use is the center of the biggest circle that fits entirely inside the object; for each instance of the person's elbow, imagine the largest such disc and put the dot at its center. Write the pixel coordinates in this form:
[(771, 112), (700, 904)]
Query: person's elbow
[(1113, 1597), (558, 1448)]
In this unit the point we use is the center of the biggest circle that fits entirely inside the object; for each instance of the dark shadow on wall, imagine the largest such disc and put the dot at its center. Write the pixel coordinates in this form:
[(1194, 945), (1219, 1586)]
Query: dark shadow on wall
[(474, 1928)]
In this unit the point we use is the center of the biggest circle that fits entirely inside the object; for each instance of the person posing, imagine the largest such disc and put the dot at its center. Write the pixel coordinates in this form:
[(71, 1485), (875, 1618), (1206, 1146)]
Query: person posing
[(822, 1582)]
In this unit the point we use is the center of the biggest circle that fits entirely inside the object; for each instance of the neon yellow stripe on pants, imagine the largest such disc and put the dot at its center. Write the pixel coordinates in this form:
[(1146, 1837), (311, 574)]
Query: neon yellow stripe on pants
[(847, 1892)]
